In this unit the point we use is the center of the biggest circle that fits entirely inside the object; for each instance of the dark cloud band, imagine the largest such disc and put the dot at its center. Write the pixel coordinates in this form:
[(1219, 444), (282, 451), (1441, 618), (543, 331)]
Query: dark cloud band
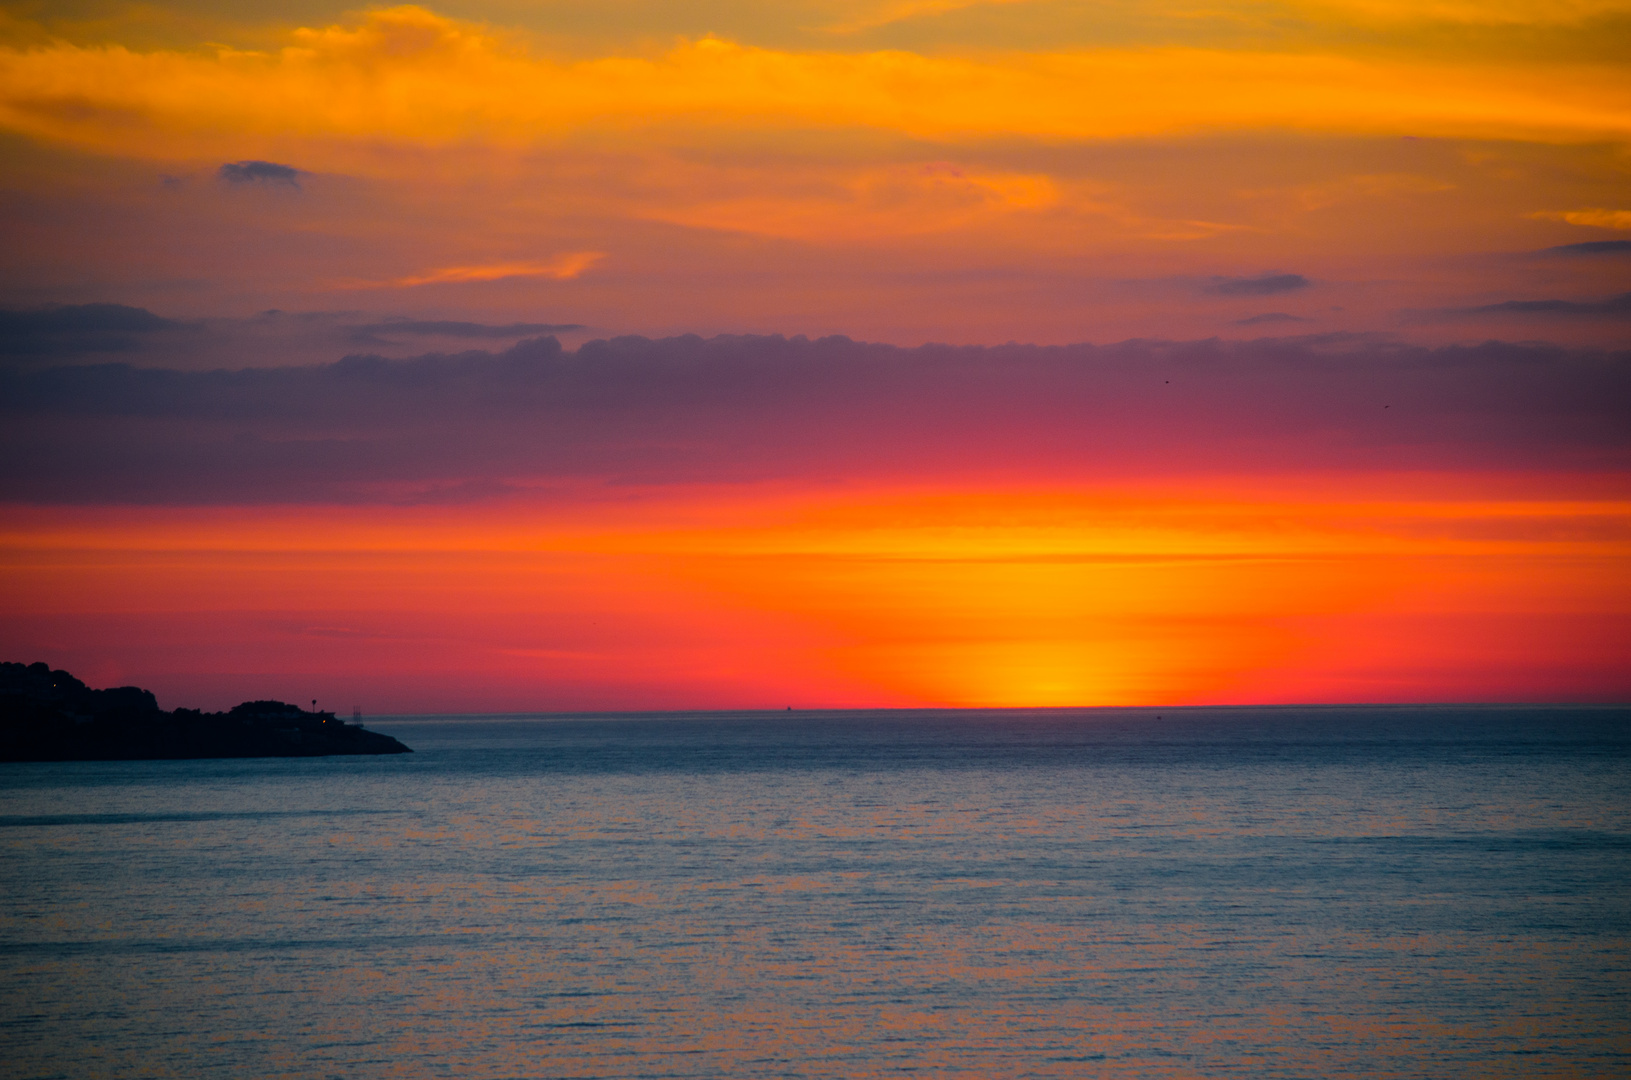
[(1591, 247), (1613, 307), (67, 329), (1262, 285), (688, 410)]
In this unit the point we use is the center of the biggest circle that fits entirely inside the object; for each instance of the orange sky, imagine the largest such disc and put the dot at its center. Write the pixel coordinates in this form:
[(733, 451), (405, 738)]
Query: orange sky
[(1036, 597), (1054, 172), (1331, 184)]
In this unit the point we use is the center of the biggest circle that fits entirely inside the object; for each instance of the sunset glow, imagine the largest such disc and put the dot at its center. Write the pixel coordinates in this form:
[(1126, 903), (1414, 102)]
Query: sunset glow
[(1365, 439), (932, 598)]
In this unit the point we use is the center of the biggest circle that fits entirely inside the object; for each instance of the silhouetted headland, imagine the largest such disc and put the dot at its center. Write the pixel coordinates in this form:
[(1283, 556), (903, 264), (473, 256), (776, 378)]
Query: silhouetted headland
[(48, 715)]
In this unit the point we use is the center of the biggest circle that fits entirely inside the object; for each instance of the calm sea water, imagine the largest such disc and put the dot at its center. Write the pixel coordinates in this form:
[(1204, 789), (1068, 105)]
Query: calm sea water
[(1264, 893)]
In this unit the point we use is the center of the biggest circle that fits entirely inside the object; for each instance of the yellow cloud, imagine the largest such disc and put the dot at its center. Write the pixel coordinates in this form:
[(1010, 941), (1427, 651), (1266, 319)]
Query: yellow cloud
[(561, 268), (1602, 219), (406, 74), (858, 205), (1475, 12), (852, 15), (870, 16)]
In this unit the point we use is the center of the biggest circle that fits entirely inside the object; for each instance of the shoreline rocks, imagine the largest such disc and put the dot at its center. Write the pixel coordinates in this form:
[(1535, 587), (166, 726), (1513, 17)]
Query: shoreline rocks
[(48, 715)]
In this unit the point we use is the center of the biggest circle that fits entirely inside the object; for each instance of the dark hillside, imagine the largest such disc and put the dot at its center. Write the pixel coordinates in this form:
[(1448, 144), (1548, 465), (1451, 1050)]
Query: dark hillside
[(48, 715)]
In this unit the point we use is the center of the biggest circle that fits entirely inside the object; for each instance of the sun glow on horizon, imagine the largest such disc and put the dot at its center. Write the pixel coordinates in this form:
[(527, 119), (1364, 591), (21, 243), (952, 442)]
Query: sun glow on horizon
[(980, 598)]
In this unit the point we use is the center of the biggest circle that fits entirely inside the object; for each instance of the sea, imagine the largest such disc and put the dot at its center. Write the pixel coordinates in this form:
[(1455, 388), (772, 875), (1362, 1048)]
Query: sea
[(1254, 892)]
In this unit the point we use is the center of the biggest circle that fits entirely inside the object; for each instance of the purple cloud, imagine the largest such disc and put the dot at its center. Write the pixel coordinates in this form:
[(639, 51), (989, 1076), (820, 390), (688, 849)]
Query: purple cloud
[(631, 410), (1261, 285), (263, 172)]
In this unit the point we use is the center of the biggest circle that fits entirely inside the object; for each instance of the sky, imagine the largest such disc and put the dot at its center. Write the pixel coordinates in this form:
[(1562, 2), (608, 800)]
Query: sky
[(523, 356)]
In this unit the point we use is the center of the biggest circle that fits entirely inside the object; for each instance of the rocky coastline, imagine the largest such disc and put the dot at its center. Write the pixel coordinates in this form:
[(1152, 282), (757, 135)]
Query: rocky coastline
[(48, 715)]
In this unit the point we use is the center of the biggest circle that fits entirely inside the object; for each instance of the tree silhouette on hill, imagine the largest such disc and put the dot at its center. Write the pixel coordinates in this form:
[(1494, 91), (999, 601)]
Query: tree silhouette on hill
[(48, 715)]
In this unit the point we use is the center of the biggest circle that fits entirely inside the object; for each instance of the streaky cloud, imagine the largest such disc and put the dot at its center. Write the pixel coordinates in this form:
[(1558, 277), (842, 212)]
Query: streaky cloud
[(1613, 307), (1262, 285), (448, 328), (1270, 317), (1590, 247)]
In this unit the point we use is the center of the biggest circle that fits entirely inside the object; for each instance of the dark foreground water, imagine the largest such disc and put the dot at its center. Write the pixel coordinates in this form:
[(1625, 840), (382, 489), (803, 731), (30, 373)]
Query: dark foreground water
[(1263, 893)]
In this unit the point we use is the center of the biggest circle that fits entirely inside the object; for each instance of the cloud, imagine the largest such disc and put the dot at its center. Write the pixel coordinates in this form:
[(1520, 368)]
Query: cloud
[(1269, 317), (261, 172), (561, 268), (871, 16), (69, 329), (619, 414), (407, 75), (60, 333), (1613, 307), (82, 318), (846, 205), (1596, 217), (1262, 285), (446, 328), (1591, 247)]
